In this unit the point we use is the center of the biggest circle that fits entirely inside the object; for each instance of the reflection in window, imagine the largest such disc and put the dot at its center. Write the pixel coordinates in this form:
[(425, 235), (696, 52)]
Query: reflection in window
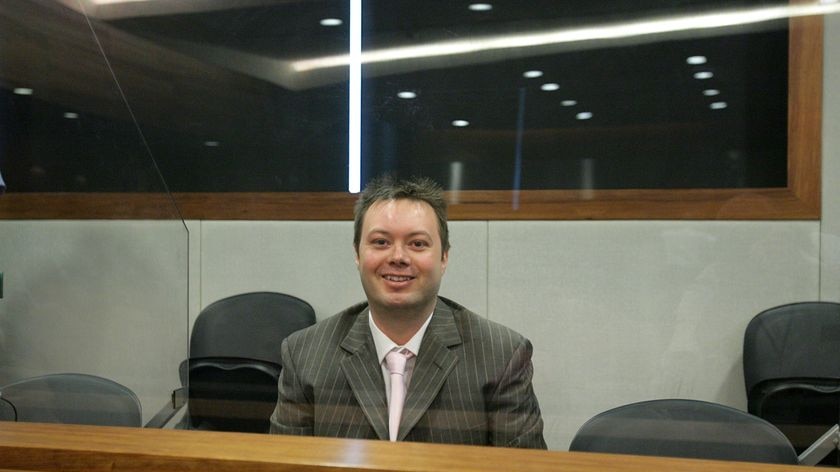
[(222, 105)]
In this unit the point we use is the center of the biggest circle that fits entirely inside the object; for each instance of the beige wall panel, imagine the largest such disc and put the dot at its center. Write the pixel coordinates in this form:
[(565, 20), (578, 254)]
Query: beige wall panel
[(628, 311)]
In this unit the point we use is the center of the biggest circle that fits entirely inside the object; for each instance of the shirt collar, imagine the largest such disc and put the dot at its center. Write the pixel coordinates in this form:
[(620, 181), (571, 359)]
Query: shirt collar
[(384, 345)]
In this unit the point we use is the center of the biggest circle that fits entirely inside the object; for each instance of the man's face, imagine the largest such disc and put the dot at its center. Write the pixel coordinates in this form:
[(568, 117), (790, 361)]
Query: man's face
[(400, 257)]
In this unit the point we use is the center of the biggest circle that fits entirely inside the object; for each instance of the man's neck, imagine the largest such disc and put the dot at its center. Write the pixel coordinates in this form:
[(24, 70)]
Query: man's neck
[(398, 325)]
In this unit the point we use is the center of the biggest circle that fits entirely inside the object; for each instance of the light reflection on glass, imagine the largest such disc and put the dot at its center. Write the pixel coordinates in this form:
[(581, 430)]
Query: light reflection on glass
[(481, 7), (456, 172), (587, 177), (354, 129), (576, 35)]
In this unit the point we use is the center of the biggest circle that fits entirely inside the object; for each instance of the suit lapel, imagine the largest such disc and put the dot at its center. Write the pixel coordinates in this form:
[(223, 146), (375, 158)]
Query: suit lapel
[(364, 374), (434, 363)]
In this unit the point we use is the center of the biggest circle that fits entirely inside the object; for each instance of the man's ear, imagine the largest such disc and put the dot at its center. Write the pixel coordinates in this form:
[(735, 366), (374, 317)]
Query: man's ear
[(356, 255), (444, 260)]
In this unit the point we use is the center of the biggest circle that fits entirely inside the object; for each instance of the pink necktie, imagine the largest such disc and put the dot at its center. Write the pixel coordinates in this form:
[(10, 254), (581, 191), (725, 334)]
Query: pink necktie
[(395, 361)]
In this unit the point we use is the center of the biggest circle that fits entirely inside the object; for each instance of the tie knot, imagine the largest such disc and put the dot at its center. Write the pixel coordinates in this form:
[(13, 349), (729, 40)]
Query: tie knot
[(395, 360)]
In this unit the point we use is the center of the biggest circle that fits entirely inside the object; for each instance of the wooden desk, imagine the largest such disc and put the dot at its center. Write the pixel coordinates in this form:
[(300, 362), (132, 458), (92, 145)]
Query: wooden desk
[(52, 447)]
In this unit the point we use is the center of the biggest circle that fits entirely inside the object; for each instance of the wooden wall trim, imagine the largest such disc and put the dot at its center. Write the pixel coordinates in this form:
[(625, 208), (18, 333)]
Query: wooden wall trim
[(800, 200), (805, 96), (54, 447), (702, 204)]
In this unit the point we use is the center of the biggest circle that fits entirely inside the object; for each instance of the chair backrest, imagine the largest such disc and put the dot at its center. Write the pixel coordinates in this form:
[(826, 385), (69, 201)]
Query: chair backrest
[(234, 361), (792, 370), (72, 399), (796, 342), (684, 428)]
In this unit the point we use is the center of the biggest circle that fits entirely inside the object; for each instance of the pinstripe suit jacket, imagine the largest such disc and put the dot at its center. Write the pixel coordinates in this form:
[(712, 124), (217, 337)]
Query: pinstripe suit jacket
[(471, 383)]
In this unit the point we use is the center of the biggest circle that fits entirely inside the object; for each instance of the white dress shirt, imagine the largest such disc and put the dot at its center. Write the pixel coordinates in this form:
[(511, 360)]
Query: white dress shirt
[(384, 345)]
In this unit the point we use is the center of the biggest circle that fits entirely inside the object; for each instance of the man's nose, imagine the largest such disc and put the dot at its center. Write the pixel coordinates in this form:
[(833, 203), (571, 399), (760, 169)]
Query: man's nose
[(399, 255)]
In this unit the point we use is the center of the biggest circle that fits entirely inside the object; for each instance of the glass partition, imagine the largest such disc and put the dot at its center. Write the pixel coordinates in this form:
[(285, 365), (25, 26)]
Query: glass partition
[(613, 132), (94, 312)]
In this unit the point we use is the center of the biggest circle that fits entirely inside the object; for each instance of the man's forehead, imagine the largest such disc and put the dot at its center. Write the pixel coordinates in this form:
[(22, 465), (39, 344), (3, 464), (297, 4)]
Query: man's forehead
[(388, 210), (391, 205)]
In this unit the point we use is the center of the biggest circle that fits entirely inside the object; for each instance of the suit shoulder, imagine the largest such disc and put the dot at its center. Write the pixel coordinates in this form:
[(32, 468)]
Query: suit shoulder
[(474, 325)]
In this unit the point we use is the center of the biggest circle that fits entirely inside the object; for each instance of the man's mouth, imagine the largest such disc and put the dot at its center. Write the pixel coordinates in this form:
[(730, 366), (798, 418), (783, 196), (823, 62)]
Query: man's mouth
[(397, 278)]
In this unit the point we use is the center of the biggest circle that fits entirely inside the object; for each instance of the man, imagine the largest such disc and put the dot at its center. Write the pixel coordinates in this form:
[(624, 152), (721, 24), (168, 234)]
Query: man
[(466, 379)]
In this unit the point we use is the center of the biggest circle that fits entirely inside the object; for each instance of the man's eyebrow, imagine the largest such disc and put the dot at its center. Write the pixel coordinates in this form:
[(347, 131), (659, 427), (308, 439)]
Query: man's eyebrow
[(374, 231), (422, 233)]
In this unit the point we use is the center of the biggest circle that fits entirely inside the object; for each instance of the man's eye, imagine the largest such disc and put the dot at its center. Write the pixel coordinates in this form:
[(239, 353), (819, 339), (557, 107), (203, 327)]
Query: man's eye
[(379, 242), (419, 244)]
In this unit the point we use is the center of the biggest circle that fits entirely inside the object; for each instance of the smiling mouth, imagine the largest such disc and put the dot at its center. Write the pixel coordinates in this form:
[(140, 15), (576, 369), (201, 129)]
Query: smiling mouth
[(397, 278)]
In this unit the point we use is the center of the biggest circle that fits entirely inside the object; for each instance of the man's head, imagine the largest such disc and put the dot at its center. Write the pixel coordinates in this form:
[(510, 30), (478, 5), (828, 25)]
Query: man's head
[(402, 246), (388, 188)]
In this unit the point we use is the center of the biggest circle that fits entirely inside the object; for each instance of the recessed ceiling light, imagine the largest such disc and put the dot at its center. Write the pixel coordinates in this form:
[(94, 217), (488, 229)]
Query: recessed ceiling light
[(331, 22), (584, 115), (711, 92), (703, 75), (532, 74), (71, 115), (23, 91), (407, 94), (696, 60), (480, 7), (568, 103), (460, 123), (211, 143), (718, 105), (550, 87)]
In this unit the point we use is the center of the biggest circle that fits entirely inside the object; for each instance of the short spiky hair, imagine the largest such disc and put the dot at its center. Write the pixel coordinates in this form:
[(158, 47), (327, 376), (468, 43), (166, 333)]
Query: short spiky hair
[(389, 188)]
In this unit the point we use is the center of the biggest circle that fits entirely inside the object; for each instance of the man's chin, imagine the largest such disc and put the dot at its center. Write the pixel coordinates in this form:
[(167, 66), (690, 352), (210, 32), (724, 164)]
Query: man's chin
[(401, 305)]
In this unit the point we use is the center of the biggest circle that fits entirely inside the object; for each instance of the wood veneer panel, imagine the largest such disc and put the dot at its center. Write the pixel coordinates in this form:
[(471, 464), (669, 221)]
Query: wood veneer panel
[(805, 93), (58, 205), (50, 447)]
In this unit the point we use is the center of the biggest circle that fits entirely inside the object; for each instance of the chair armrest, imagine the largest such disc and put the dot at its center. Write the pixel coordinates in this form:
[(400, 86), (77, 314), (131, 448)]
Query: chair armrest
[(822, 447), (178, 400)]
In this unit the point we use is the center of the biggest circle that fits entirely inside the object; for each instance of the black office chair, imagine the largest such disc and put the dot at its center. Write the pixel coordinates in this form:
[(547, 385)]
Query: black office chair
[(684, 428), (231, 375), (71, 399), (792, 370)]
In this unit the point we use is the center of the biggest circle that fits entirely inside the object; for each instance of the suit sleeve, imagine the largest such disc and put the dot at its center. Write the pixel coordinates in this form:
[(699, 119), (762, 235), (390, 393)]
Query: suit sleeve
[(294, 411), (514, 412)]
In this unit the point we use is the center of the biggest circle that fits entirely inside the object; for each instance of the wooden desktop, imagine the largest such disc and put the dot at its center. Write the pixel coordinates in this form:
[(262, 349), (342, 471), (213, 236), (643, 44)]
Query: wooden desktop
[(52, 447)]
